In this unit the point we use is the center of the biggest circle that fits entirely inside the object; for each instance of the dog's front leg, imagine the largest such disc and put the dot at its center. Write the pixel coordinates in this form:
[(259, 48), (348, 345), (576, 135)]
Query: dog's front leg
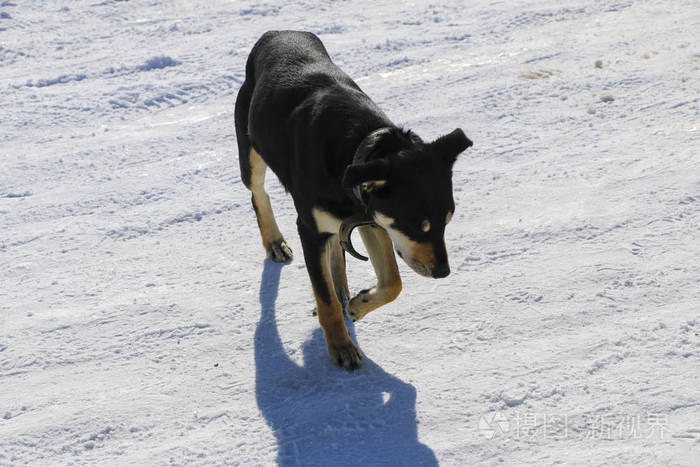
[(381, 254), (319, 251), (338, 274)]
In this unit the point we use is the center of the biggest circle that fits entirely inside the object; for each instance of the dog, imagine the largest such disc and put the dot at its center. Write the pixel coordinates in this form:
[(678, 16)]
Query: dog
[(345, 165)]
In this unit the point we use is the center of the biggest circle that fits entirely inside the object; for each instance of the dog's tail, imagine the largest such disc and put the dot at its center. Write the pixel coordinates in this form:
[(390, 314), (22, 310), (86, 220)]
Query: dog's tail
[(241, 117)]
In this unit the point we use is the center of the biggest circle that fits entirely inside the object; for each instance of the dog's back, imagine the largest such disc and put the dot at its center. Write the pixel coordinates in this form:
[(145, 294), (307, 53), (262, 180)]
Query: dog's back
[(299, 103), (286, 55)]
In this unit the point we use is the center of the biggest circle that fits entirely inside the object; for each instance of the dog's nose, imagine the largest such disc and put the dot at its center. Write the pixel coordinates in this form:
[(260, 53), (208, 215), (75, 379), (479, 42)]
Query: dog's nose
[(441, 271)]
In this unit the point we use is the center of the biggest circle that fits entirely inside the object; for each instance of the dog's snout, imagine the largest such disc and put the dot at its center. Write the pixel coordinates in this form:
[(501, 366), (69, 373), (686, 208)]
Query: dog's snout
[(441, 271)]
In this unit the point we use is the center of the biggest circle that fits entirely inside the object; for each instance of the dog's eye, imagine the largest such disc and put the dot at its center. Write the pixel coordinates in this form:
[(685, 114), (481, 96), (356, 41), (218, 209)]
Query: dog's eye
[(425, 225), (448, 217)]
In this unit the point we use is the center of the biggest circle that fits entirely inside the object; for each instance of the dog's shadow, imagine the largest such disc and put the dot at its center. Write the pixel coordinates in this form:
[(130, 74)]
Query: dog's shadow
[(322, 415)]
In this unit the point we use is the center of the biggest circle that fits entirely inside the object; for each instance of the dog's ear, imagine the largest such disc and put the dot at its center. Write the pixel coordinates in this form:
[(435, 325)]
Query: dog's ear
[(371, 175), (451, 145)]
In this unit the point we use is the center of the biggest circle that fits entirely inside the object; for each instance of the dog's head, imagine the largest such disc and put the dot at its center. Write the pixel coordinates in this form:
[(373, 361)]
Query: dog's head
[(406, 185)]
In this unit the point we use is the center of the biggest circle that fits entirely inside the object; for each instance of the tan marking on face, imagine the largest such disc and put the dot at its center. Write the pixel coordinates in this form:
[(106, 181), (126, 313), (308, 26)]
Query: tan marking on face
[(325, 222), (448, 217), (420, 256), (425, 226)]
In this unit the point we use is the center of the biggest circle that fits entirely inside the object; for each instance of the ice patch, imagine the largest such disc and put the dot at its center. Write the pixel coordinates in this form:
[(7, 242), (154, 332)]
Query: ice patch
[(607, 361), (62, 79), (536, 74), (9, 56), (158, 63), (263, 9), (23, 194)]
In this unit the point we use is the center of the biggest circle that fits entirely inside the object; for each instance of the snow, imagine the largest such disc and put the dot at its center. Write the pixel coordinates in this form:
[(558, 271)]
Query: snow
[(140, 323)]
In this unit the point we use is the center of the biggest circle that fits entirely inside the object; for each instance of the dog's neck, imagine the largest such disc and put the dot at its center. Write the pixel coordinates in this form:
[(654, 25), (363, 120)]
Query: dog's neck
[(364, 156), (363, 218)]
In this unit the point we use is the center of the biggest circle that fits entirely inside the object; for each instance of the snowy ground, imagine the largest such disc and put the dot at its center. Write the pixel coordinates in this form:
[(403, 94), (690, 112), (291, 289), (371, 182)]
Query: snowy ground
[(140, 324)]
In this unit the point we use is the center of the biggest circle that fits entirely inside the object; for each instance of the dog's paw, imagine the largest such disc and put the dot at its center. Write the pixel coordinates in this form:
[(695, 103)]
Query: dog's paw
[(279, 252), (347, 356), (358, 306)]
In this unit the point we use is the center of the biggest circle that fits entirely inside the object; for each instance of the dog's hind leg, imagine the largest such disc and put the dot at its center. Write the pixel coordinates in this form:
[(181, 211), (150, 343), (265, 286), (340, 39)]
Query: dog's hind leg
[(253, 169), (275, 245), (381, 254), (319, 255)]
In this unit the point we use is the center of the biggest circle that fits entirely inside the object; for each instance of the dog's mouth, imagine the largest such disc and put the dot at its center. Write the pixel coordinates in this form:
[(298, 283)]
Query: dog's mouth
[(417, 266), (435, 272)]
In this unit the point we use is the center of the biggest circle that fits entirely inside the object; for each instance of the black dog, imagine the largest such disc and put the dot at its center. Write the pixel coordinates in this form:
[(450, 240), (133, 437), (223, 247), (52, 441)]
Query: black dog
[(346, 165)]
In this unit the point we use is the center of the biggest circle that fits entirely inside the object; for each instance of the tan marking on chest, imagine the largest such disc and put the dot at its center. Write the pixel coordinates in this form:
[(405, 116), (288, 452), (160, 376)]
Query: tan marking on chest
[(325, 221)]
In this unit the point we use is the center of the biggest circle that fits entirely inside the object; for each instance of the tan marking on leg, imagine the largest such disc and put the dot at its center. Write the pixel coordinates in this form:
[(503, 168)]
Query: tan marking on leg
[(338, 273), (340, 347), (272, 238), (388, 287)]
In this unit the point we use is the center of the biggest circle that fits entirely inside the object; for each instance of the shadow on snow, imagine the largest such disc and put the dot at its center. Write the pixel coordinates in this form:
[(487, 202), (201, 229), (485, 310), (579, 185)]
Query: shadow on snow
[(322, 415)]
